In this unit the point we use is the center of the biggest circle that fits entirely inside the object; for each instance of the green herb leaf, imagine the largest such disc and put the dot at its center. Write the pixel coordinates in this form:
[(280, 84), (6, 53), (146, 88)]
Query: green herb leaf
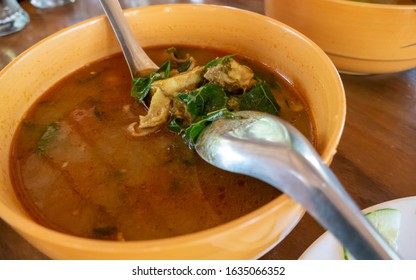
[(204, 100), (165, 68), (47, 138), (141, 86), (192, 132), (259, 98), (176, 125), (184, 66), (217, 61)]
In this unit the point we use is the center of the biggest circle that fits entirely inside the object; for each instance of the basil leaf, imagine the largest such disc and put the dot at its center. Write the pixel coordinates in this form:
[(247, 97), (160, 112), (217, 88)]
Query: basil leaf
[(259, 98), (217, 61), (192, 132), (176, 125), (47, 138), (166, 67), (184, 66), (203, 100), (141, 86)]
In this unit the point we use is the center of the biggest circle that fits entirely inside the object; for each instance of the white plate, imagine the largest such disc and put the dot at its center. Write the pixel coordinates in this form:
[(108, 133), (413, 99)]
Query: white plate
[(326, 247)]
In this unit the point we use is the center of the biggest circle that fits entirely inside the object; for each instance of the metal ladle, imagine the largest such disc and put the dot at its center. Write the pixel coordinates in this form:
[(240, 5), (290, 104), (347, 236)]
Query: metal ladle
[(138, 61), (270, 149)]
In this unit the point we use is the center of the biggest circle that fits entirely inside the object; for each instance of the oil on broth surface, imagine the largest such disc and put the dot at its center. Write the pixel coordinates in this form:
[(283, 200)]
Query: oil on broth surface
[(85, 177)]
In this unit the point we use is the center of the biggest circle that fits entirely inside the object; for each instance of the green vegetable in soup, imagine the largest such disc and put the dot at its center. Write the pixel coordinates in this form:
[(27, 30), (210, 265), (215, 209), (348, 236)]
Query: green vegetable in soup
[(259, 98), (192, 132), (200, 95), (75, 171), (204, 100), (218, 61), (47, 138), (141, 86)]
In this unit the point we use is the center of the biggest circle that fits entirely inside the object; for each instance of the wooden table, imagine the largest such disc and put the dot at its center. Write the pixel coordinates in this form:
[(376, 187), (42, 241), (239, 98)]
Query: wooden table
[(376, 159)]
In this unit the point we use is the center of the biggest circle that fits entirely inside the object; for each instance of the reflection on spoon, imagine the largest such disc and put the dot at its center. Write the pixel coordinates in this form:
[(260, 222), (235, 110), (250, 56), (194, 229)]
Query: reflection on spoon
[(138, 61), (268, 148)]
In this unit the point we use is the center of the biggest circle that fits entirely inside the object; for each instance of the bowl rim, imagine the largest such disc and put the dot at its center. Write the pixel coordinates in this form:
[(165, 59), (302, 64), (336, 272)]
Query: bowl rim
[(374, 5), (72, 241), (52, 236)]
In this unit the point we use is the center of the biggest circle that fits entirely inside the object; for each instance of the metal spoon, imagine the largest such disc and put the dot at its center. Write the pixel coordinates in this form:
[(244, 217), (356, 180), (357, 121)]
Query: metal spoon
[(268, 148), (138, 61)]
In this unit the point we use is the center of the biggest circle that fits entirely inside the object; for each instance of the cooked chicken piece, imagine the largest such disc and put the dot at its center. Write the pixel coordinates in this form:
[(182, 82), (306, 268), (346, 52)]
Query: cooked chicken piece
[(162, 94), (184, 81), (231, 75), (158, 111), (179, 111)]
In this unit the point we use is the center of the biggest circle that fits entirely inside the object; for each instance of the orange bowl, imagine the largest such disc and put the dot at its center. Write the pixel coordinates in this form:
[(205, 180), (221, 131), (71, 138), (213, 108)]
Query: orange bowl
[(250, 34), (361, 38)]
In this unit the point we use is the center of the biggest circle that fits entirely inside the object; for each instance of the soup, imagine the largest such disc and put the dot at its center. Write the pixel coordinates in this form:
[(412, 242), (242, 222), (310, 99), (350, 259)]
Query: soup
[(77, 169)]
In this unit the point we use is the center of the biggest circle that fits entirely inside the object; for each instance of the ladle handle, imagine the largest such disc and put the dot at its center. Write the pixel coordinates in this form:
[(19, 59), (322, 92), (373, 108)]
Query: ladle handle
[(302, 175), (136, 58), (328, 202)]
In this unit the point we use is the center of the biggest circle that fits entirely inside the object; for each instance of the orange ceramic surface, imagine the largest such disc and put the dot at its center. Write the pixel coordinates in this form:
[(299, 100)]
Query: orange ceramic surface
[(237, 31), (359, 37)]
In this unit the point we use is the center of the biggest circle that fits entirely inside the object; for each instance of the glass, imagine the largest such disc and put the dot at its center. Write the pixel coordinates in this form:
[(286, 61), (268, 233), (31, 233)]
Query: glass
[(12, 17), (50, 3)]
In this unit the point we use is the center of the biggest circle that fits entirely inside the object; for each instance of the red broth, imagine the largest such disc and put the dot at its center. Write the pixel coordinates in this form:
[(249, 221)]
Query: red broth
[(94, 181)]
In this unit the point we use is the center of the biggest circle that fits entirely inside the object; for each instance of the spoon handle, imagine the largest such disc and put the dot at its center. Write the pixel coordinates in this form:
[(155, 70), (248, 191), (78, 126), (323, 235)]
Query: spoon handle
[(272, 150), (330, 204), (303, 176), (136, 58)]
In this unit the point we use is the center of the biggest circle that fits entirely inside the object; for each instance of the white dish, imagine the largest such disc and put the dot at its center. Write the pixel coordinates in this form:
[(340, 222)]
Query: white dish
[(327, 247)]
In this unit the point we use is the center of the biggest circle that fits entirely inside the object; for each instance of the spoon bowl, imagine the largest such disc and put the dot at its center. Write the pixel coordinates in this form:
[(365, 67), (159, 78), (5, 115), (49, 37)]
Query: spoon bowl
[(270, 149)]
